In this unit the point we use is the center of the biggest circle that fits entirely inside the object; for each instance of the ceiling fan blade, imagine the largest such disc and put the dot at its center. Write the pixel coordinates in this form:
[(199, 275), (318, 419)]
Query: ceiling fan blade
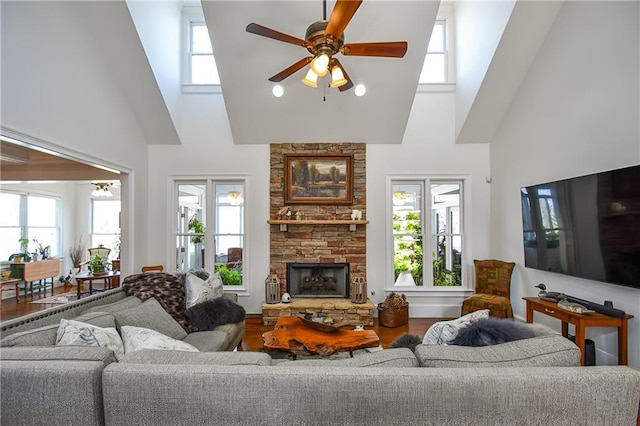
[(342, 13), (391, 49), (276, 35), (290, 70), (349, 84)]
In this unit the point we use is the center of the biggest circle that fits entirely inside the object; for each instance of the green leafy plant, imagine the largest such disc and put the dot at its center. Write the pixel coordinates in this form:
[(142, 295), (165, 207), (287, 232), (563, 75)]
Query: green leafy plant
[(196, 227), (229, 276), (98, 264)]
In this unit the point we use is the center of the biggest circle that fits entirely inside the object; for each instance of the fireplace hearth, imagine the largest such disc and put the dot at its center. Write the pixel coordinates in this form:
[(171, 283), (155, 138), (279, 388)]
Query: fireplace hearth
[(315, 280)]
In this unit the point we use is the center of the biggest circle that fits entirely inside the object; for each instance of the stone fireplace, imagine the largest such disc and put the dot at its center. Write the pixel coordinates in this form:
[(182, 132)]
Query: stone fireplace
[(325, 235)]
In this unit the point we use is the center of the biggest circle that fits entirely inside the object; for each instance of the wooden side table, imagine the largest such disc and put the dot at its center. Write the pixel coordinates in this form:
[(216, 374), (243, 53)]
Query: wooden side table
[(111, 279), (581, 321)]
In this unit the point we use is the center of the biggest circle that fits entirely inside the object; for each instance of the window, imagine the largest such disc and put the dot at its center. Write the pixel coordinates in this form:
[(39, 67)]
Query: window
[(211, 232), (105, 225), (30, 216), (199, 63), (427, 250), (435, 68)]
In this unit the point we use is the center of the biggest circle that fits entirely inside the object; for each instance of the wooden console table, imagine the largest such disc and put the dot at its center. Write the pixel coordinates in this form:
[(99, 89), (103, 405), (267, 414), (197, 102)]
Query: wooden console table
[(581, 321)]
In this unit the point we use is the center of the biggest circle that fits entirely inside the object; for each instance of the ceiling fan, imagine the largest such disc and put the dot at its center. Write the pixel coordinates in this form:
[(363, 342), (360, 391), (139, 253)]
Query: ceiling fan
[(324, 39)]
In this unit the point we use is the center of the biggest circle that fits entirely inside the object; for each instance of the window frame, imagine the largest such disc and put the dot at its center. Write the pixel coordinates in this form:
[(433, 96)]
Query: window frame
[(211, 225), (427, 233), (446, 15), (115, 251), (192, 15), (24, 218)]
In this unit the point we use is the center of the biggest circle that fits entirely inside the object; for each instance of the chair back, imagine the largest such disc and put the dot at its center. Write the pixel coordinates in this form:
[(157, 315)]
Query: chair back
[(493, 276), (100, 250), (234, 257), (158, 268)]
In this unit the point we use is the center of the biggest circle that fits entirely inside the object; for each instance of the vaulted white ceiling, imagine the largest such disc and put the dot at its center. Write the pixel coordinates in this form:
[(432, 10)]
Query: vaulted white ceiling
[(245, 61)]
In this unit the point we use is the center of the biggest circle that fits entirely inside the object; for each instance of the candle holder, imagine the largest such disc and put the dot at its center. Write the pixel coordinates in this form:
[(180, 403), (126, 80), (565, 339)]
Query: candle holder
[(272, 285), (358, 290)]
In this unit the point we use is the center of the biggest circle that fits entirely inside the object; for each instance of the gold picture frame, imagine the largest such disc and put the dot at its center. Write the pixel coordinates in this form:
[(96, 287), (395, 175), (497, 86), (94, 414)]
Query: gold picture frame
[(318, 179)]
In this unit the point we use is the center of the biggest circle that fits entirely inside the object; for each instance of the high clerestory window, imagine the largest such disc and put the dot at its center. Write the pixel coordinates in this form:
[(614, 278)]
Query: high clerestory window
[(199, 64)]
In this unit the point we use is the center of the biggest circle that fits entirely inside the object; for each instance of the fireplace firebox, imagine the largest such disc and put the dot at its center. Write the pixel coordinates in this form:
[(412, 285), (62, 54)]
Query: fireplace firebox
[(318, 279)]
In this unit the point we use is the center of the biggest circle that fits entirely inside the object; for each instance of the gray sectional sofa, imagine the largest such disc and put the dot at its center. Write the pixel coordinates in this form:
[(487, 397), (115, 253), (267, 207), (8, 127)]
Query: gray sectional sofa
[(531, 381)]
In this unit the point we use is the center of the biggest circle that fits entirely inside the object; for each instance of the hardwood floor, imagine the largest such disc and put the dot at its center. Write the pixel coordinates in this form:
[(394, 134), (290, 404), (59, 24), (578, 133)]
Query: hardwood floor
[(252, 340)]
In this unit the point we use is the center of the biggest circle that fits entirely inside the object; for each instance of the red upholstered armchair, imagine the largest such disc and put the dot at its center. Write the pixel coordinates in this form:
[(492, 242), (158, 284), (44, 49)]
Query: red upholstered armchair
[(493, 286)]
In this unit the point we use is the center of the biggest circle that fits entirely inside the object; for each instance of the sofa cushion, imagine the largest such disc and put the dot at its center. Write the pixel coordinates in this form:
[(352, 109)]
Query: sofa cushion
[(543, 351), (150, 314), (396, 357), (46, 335), (198, 290), (208, 341), (443, 332), (146, 356), (76, 333), (137, 338), (122, 304), (58, 353), (165, 288)]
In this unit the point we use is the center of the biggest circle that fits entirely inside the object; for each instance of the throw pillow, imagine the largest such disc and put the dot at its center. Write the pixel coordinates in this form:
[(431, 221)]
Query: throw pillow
[(212, 313), (137, 338), (77, 333), (443, 332), (492, 331), (199, 290), (150, 314)]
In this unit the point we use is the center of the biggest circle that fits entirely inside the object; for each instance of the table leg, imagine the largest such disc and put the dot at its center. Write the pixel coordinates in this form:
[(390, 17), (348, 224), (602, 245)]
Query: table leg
[(79, 283), (18, 292), (565, 328), (529, 312), (580, 336), (622, 342)]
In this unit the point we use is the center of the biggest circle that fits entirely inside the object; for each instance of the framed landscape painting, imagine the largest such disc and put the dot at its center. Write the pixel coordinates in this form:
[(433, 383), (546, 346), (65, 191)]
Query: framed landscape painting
[(318, 179)]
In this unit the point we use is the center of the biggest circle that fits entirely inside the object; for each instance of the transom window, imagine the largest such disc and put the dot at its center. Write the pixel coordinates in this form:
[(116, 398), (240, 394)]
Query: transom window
[(202, 63), (435, 67), (427, 248)]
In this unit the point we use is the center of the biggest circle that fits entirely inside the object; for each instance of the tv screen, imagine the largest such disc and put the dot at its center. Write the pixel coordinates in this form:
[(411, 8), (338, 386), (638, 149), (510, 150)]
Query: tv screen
[(588, 226)]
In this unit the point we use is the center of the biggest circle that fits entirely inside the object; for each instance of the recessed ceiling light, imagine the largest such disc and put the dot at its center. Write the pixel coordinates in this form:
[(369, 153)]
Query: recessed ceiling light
[(360, 90), (277, 91)]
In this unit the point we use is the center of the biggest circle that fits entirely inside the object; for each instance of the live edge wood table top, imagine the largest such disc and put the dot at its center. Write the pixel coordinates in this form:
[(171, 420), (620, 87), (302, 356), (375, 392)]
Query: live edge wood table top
[(581, 321), (291, 335)]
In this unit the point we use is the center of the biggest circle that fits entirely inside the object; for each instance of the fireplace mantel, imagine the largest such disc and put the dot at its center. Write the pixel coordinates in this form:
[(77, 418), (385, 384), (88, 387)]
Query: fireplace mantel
[(327, 222)]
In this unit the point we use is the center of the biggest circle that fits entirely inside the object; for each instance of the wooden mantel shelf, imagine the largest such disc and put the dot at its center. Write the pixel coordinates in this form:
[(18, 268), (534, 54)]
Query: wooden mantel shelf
[(285, 223)]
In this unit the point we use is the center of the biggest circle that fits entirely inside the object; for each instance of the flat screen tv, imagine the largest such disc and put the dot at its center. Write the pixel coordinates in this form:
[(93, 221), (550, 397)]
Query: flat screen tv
[(587, 227)]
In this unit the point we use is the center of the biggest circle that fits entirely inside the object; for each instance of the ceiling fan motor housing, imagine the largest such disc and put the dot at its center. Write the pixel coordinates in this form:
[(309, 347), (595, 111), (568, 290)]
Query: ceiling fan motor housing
[(322, 43)]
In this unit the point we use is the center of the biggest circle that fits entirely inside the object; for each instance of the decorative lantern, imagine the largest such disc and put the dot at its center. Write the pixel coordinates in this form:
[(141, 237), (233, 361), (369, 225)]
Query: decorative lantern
[(358, 290), (272, 284)]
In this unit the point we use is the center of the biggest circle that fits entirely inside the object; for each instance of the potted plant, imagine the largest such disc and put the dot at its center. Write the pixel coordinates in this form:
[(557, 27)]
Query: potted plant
[(41, 251), (98, 265), (75, 254), (23, 255)]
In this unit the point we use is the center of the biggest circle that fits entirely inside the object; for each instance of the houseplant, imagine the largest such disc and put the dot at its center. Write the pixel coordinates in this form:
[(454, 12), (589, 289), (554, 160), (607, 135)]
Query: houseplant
[(98, 265), (75, 254), (23, 255)]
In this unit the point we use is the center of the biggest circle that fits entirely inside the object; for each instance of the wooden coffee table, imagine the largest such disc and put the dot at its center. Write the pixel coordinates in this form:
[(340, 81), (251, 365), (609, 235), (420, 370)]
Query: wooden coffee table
[(291, 335)]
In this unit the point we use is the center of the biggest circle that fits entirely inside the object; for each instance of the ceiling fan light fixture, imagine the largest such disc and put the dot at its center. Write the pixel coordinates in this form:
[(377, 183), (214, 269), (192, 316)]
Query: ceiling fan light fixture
[(337, 77), (311, 79), (320, 64)]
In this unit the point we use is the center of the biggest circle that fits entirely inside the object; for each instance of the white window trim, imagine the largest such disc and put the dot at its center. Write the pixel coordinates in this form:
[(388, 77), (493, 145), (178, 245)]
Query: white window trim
[(192, 14), (467, 286), (446, 14), (172, 182)]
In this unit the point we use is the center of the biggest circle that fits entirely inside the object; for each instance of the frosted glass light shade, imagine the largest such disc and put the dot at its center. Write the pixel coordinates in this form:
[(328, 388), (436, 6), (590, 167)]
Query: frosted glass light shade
[(337, 77), (320, 64), (311, 79)]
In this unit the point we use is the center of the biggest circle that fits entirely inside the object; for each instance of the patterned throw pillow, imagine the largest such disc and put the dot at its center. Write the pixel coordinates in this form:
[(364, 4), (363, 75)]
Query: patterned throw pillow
[(77, 333), (137, 338), (443, 332), (199, 290)]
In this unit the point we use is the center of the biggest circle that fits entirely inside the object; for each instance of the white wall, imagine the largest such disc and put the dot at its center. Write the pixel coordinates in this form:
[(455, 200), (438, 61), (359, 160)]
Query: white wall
[(576, 113)]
